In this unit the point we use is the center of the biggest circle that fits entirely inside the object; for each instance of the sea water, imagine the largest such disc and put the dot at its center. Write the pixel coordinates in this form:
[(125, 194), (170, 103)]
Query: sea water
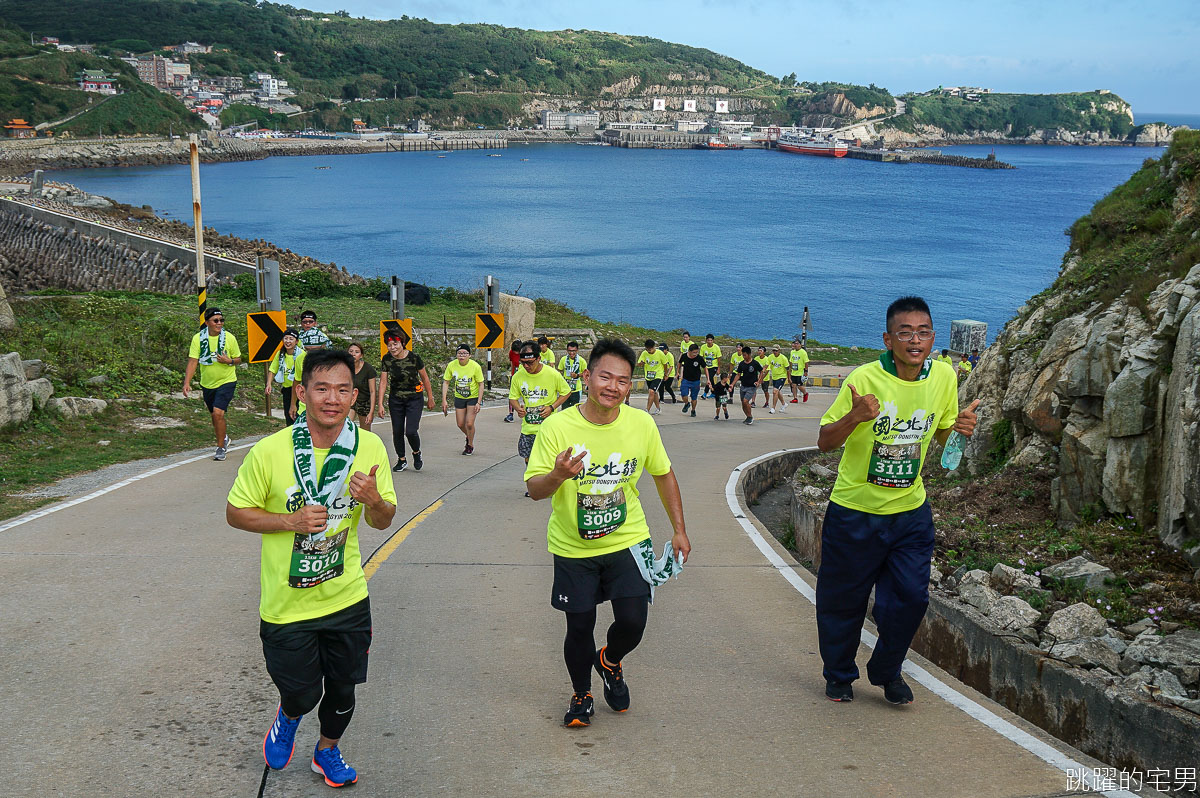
[(726, 242)]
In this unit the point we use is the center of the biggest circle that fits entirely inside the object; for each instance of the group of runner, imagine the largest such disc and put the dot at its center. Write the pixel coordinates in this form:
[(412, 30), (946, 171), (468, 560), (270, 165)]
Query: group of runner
[(305, 488)]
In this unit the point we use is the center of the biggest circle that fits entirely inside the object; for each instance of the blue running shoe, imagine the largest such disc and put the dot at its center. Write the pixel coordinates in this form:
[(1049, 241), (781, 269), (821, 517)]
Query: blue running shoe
[(280, 741), (329, 763)]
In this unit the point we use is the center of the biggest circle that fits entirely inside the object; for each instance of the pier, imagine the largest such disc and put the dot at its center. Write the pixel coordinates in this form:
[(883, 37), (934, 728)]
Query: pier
[(445, 144), (935, 157)]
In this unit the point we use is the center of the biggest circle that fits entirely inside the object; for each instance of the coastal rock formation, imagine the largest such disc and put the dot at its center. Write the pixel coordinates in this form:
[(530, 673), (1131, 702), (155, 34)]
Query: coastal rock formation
[(8, 320), (1109, 396), (1154, 135)]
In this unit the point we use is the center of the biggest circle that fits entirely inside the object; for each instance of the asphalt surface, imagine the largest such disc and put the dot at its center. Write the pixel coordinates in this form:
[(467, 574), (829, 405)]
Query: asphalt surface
[(132, 663)]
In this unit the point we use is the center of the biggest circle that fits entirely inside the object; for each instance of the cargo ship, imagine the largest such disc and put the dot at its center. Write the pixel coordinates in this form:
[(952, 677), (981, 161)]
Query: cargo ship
[(811, 145)]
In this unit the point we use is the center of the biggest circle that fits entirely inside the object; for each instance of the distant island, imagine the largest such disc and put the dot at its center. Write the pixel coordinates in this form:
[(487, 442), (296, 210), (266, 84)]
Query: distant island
[(119, 67)]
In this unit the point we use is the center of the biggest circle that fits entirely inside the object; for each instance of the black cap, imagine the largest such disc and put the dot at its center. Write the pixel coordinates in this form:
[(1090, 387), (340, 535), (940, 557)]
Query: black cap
[(292, 332), (210, 312)]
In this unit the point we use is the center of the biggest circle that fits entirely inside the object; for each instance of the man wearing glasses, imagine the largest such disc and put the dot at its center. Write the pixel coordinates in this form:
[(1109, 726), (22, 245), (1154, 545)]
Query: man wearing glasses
[(311, 336), (536, 391), (217, 354), (878, 528)]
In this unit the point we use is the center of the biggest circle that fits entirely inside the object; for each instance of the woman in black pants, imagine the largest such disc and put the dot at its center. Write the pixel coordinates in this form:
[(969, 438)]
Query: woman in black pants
[(404, 386), (668, 377)]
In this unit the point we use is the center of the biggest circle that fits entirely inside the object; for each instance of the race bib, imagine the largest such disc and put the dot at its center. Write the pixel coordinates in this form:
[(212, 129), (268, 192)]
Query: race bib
[(599, 515), (463, 388), (724, 401), (533, 415), (317, 560), (894, 465)]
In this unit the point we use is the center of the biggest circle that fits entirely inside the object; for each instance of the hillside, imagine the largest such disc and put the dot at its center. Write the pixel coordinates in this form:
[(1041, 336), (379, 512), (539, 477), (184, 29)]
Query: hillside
[(1097, 379), (337, 56), (1018, 115)]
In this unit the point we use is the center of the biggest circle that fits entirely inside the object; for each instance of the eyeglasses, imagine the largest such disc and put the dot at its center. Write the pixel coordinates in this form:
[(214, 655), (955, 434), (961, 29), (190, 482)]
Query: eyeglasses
[(908, 335), (217, 319)]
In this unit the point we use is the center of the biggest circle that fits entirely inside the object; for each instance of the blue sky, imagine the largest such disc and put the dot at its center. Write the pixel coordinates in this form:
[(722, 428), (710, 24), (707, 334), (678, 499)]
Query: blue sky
[(1145, 52)]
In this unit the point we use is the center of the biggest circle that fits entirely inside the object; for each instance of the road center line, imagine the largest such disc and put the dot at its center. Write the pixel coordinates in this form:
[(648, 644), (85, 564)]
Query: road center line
[(380, 555), (1004, 728)]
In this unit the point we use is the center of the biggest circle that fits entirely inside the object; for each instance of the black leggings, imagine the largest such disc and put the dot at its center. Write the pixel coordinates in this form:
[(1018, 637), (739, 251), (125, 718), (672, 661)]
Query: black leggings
[(666, 388), (287, 405), (406, 421), (337, 706), (579, 647)]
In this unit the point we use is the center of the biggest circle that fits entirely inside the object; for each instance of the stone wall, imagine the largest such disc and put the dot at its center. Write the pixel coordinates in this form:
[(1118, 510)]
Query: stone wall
[(1077, 705), (36, 254)]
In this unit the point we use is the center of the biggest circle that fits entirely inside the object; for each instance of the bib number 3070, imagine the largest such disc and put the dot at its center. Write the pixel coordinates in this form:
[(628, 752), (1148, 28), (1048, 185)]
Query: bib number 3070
[(600, 515), (894, 465), (317, 561)]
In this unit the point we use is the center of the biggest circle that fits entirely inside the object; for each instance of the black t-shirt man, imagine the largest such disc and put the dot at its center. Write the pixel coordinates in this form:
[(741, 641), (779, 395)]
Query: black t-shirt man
[(748, 372), (692, 368)]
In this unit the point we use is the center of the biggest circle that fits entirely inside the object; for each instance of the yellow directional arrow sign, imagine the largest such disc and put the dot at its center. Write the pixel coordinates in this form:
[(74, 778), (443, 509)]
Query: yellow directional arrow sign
[(264, 334), (402, 326), (489, 330)]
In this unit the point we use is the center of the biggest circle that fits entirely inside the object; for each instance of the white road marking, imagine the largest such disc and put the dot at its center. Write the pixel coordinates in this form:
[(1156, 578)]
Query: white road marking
[(1004, 728)]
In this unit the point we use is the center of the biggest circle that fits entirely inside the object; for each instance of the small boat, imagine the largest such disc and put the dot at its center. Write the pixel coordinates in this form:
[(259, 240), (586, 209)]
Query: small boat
[(719, 143), (322, 167)]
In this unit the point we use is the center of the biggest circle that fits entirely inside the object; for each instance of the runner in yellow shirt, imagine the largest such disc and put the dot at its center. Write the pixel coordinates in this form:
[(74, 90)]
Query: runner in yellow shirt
[(217, 354), (465, 377), (778, 365), (798, 368), (303, 490), (545, 353), (571, 366), (587, 461), (536, 391), (654, 369), (878, 531), (285, 369), (712, 363), (945, 358), (760, 357)]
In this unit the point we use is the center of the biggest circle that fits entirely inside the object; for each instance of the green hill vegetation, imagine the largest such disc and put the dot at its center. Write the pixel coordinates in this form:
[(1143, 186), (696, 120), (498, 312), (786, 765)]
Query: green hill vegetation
[(1018, 115), (1145, 231)]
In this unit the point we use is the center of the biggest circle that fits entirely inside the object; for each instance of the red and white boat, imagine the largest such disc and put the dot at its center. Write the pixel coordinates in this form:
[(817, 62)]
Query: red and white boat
[(811, 145), (719, 143)]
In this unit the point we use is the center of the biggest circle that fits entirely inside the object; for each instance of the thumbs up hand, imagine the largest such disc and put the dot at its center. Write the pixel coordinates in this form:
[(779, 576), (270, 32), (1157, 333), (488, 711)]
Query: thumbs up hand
[(967, 419), (863, 408), (363, 487)]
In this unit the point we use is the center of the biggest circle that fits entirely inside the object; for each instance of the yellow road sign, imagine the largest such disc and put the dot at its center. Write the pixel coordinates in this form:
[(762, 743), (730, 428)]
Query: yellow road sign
[(264, 334), (402, 326), (489, 330)]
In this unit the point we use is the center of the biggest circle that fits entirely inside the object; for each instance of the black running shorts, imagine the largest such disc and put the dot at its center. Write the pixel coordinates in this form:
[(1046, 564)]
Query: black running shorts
[(571, 400), (580, 583), (463, 404), (218, 397), (336, 646)]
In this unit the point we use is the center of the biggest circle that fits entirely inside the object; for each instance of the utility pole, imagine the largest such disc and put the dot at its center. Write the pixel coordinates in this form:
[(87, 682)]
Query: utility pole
[(805, 326), (201, 285), (491, 304)]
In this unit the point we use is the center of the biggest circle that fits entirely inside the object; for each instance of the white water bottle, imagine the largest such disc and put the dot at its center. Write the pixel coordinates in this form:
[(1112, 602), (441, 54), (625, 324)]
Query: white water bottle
[(952, 452)]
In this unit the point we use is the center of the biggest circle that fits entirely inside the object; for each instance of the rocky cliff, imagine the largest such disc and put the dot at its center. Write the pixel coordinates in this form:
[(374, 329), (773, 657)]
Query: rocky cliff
[(1152, 135), (1099, 375)]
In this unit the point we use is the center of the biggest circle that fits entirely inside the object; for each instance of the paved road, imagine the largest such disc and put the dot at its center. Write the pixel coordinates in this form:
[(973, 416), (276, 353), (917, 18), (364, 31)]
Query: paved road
[(132, 666)]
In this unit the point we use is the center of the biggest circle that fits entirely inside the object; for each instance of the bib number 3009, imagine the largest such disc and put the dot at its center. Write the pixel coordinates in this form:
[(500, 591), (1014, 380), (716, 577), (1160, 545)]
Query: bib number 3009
[(600, 515)]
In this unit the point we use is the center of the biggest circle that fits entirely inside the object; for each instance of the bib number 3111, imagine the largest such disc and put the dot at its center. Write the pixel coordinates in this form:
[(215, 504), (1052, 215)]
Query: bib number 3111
[(894, 466)]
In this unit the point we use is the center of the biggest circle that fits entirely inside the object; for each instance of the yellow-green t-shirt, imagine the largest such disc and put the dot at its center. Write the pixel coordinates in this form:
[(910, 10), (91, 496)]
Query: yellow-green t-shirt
[(464, 380), (965, 365), (683, 347), (778, 365), (880, 471), (547, 357), (536, 390), (571, 369), (217, 374), (598, 512), (711, 355), (266, 479), (799, 360), (949, 361), (292, 364), (762, 361), (668, 362), (655, 363)]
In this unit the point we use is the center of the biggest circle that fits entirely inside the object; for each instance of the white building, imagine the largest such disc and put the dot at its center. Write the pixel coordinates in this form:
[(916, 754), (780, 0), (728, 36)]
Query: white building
[(569, 120)]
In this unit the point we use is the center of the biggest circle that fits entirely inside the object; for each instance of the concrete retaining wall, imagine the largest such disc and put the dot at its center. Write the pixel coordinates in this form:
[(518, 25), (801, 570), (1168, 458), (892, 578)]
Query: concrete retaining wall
[(1068, 702)]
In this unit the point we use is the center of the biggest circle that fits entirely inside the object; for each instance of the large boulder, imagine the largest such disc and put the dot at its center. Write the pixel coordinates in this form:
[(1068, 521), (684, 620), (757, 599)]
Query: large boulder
[(1011, 613), (974, 589), (1078, 620), (1179, 653), (40, 391), (1080, 483), (1007, 579), (1081, 572), (1179, 482), (1087, 652), (77, 406), (8, 319), (16, 402)]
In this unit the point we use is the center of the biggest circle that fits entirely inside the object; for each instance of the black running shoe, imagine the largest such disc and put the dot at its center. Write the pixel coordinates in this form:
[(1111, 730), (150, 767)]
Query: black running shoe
[(417, 461), (693, 414), (616, 692), (898, 692), (839, 691), (400, 465), (581, 711)]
